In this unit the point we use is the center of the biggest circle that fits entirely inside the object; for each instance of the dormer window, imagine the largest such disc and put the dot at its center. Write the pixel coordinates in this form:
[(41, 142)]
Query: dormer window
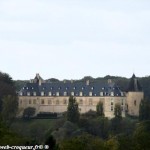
[(66, 88), (103, 88), (112, 93), (32, 88), (20, 93), (81, 93), (74, 88), (57, 93), (122, 94), (90, 93), (50, 93), (82, 88), (101, 94), (28, 93), (72, 93), (42, 93), (65, 93), (92, 88), (59, 88), (27, 88), (34, 93)]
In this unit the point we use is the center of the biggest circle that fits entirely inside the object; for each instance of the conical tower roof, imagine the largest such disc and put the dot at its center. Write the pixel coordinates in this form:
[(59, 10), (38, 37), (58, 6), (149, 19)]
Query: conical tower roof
[(134, 85)]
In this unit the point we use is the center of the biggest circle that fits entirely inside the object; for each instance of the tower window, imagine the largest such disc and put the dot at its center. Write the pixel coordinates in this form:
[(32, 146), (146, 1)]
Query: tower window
[(134, 102)]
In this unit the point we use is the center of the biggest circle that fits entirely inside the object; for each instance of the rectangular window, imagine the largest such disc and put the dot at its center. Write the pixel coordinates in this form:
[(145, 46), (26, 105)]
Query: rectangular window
[(81, 102), (90, 101), (72, 93), (50, 93), (28, 93), (34, 101), (64, 101), (101, 94), (112, 108), (57, 93), (112, 93), (29, 101), (57, 102), (90, 93), (49, 101), (65, 93), (81, 93), (42, 101), (34, 93), (20, 94), (42, 93)]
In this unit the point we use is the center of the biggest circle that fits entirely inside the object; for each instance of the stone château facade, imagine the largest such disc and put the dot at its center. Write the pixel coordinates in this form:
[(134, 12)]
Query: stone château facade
[(53, 97)]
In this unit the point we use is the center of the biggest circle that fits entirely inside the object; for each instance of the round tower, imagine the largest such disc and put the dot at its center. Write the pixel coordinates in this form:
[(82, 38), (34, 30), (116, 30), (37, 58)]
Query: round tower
[(134, 96)]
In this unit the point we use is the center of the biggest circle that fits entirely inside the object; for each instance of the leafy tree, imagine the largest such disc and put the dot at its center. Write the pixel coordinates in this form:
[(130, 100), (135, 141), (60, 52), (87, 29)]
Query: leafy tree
[(117, 111), (6, 87), (28, 112), (72, 110), (144, 111), (100, 109), (141, 136), (9, 108)]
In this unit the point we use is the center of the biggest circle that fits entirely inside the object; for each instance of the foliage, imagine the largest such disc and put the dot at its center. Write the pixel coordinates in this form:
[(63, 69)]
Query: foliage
[(6, 87), (28, 112), (141, 136), (9, 108), (51, 142), (72, 110), (83, 142), (100, 109), (144, 111)]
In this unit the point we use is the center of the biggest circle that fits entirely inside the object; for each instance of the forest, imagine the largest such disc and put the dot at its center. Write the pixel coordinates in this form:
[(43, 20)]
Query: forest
[(74, 131)]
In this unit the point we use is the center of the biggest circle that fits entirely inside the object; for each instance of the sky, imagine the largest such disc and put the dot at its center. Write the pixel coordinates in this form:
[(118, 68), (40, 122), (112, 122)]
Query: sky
[(70, 39)]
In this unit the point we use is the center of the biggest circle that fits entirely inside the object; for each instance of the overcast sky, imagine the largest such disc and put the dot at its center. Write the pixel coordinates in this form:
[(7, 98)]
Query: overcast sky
[(70, 39)]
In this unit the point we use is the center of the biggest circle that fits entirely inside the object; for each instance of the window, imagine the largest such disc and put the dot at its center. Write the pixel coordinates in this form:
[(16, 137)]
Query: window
[(81, 93), (122, 94), (134, 102), (112, 93), (112, 103), (122, 102), (49, 101), (90, 101), (42, 93), (112, 108), (72, 93), (20, 94), (90, 93), (57, 93), (42, 101), (64, 101), (50, 93), (101, 93), (34, 93), (29, 101), (81, 102), (65, 93), (34, 101), (57, 102), (28, 93), (92, 88)]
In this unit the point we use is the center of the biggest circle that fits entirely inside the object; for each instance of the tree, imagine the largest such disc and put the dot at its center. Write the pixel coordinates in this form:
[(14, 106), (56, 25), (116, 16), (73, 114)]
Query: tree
[(117, 111), (72, 110), (28, 112), (9, 108), (144, 111), (6, 87), (100, 109)]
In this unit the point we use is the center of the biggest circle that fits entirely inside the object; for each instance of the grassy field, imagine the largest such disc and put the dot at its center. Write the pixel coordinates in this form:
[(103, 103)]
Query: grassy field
[(36, 129)]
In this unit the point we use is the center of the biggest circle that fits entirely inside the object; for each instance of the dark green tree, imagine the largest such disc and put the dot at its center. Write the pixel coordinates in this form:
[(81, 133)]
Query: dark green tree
[(144, 111), (9, 108), (28, 112), (73, 110), (100, 109), (6, 87)]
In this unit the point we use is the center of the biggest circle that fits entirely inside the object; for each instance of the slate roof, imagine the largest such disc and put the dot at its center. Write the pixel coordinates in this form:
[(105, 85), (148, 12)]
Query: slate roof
[(134, 85), (76, 87)]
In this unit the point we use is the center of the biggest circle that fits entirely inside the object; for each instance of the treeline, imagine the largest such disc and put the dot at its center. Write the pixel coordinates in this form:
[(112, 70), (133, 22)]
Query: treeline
[(122, 82)]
